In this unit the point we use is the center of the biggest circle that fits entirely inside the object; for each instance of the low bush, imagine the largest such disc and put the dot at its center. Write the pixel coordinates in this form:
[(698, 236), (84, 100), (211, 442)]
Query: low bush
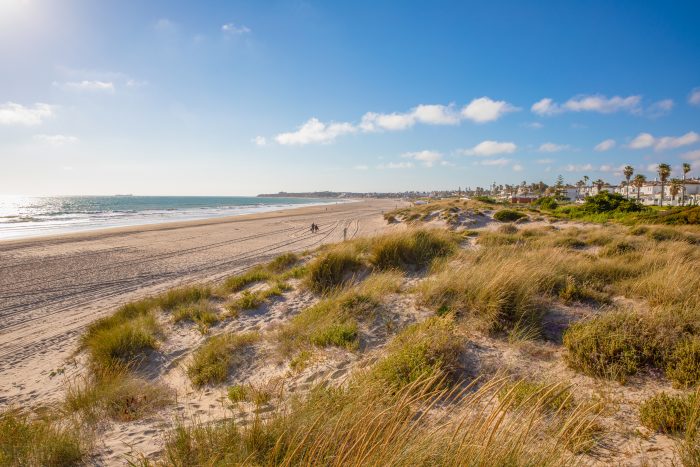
[(546, 202), (614, 345), (683, 363), (182, 296), (212, 362), (420, 351), (669, 414), (508, 229), (36, 442), (508, 215)]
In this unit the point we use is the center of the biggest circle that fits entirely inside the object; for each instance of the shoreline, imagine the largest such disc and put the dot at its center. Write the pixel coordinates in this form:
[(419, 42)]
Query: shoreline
[(52, 287), (115, 229)]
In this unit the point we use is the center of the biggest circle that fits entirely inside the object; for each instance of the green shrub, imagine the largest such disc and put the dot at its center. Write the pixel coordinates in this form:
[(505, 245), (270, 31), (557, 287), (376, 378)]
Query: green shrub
[(614, 345), (419, 351), (508, 229), (212, 362), (27, 442), (683, 364), (332, 270), (569, 242), (606, 202), (546, 202), (484, 199), (508, 215), (617, 248), (411, 249), (668, 414)]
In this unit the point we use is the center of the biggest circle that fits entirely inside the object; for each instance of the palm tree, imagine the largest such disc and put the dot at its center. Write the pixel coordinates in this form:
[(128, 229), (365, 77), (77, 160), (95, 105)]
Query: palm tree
[(579, 185), (639, 181), (628, 171), (664, 171), (675, 188), (686, 169), (599, 185)]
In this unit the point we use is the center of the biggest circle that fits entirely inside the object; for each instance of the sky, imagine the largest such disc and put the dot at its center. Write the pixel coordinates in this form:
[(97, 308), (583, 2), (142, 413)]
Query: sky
[(239, 98)]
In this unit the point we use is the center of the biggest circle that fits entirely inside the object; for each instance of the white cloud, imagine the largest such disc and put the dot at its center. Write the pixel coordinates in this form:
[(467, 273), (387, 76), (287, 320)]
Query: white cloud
[(396, 165), (578, 168), (518, 167), (545, 161), (361, 167), (431, 114), (588, 103), (56, 140), (646, 140), (552, 147), (484, 109), (428, 158), (670, 142), (260, 141), (17, 114), (230, 28), (642, 141), (605, 145), (610, 168), (660, 108), (652, 167), (692, 155), (490, 148), (87, 85), (533, 125), (694, 98), (315, 131), (501, 162), (545, 106)]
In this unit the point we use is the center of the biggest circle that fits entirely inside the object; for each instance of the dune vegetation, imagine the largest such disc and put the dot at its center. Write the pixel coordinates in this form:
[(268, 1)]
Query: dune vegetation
[(499, 344)]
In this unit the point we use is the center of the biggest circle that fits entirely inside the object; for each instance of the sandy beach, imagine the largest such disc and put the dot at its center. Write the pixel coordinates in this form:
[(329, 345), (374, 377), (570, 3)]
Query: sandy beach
[(52, 287)]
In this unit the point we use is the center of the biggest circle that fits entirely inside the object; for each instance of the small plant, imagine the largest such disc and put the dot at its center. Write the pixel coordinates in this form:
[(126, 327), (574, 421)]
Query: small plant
[(212, 362), (337, 334), (546, 397), (683, 364), (300, 360), (508, 229), (239, 282), (508, 215), (420, 351), (238, 393), (668, 414), (201, 313)]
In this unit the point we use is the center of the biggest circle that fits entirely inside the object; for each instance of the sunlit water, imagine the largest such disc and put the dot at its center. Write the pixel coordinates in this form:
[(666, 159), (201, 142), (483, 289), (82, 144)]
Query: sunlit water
[(22, 216)]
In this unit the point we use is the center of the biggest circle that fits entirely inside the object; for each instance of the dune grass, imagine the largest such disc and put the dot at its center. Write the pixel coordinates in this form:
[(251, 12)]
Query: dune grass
[(117, 395), (212, 362), (367, 425), (26, 441), (202, 313), (508, 215), (420, 351), (413, 249), (551, 398), (279, 269), (333, 321), (332, 269), (251, 300)]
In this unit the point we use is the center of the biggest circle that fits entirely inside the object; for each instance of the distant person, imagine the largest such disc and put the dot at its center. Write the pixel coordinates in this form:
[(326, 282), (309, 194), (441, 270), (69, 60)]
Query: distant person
[(313, 227)]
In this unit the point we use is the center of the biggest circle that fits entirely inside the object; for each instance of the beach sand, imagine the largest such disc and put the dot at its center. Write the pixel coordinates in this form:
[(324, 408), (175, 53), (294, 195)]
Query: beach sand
[(52, 287)]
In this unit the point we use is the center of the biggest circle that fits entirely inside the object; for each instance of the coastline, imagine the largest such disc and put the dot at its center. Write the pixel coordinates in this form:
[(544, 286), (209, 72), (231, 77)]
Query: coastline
[(52, 287), (138, 222)]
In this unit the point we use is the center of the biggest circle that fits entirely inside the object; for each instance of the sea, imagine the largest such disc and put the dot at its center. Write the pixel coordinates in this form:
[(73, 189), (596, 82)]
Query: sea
[(27, 216)]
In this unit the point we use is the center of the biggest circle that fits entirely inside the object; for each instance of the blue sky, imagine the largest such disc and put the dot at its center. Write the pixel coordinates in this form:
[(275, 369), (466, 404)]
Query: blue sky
[(228, 98)]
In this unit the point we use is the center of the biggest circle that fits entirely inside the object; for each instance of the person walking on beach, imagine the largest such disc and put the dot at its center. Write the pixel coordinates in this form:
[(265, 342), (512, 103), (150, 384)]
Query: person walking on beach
[(313, 227)]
